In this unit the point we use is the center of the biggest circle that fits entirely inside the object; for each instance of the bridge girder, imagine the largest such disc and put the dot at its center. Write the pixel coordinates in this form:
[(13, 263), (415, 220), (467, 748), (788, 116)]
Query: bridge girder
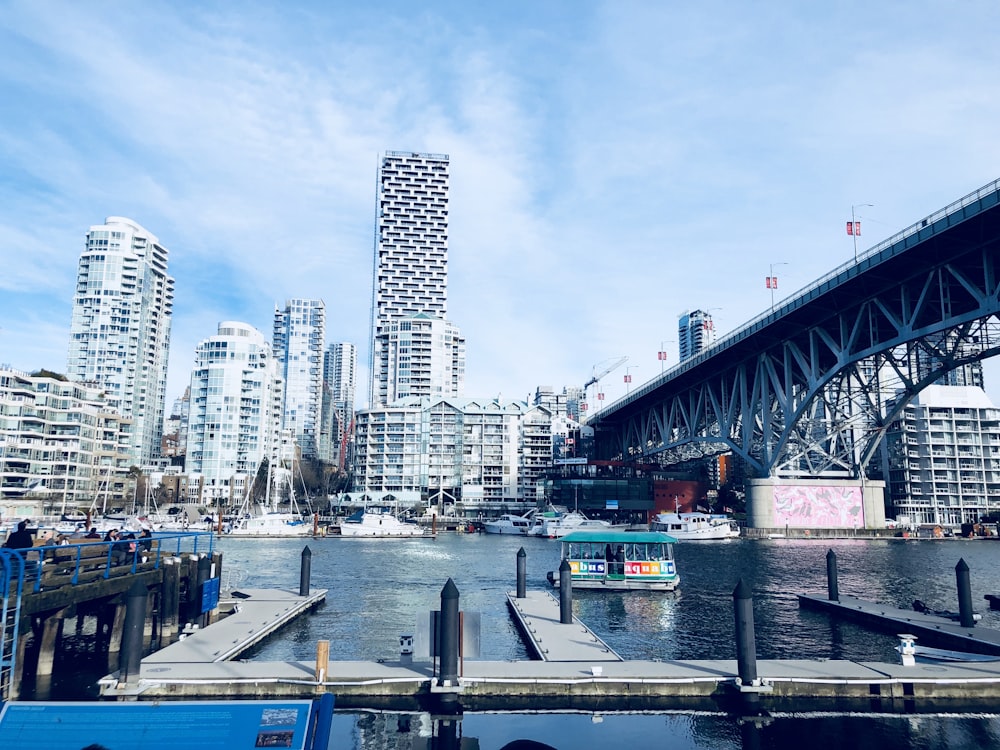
[(815, 387)]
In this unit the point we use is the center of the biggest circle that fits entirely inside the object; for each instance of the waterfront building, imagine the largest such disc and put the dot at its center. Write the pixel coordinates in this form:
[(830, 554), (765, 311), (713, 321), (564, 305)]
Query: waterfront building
[(59, 442), (410, 272), (467, 455), (298, 342), (695, 333), (174, 444), (235, 412), (942, 457), (120, 330), (340, 369)]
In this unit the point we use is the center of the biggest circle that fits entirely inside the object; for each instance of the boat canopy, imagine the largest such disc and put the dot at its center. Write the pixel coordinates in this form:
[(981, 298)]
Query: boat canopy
[(618, 537)]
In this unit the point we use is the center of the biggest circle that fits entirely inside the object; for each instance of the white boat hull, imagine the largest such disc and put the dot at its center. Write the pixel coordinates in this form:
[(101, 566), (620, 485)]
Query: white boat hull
[(380, 525), (692, 527)]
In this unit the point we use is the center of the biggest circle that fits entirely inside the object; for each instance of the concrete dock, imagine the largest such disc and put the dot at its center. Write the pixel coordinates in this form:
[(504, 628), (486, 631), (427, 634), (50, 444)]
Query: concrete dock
[(578, 673), (537, 617), (256, 614), (930, 629)]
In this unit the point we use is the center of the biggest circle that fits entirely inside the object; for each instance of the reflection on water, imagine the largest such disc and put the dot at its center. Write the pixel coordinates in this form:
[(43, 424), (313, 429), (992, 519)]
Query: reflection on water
[(678, 731)]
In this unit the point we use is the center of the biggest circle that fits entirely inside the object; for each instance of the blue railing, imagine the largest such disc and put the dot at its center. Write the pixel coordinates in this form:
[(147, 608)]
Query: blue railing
[(62, 565)]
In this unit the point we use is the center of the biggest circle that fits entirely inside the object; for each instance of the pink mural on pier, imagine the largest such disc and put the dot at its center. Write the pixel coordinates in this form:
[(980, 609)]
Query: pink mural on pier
[(818, 506)]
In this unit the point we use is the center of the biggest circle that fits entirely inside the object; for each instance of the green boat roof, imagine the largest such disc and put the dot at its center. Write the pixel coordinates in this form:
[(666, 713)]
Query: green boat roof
[(619, 537)]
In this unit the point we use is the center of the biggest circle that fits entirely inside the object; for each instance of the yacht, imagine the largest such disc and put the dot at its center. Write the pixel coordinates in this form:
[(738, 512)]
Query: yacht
[(686, 527), (508, 524), (379, 522), (556, 528)]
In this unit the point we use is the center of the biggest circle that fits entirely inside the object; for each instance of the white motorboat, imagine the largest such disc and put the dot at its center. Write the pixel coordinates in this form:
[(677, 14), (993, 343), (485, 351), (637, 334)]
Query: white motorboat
[(379, 522), (686, 527), (556, 528), (508, 524)]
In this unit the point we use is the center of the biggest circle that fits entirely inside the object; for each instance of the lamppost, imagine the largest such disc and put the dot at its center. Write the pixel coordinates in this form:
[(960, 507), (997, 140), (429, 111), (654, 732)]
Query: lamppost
[(772, 280), (855, 227), (662, 354), (628, 377)]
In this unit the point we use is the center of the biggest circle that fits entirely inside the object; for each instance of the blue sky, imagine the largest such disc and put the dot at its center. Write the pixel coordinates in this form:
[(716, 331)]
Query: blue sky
[(612, 164)]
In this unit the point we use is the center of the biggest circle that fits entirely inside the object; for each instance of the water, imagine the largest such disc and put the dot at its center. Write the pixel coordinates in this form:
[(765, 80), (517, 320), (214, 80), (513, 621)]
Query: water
[(378, 587)]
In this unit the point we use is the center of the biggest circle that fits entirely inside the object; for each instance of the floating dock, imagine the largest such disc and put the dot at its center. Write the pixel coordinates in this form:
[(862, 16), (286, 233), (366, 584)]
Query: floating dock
[(930, 628), (579, 672)]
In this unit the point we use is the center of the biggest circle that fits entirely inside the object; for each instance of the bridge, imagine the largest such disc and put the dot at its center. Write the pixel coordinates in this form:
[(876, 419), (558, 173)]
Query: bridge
[(805, 392)]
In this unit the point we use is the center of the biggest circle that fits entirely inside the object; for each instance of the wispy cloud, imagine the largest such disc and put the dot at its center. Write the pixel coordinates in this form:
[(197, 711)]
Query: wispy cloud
[(612, 164)]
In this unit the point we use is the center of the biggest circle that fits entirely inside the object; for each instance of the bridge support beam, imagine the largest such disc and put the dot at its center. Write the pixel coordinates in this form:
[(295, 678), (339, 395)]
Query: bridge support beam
[(815, 504)]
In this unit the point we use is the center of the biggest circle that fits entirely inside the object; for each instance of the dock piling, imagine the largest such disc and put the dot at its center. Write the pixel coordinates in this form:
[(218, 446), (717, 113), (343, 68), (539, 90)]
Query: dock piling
[(831, 576), (965, 613), (521, 572), (130, 658), (565, 593), (305, 571), (746, 649), (449, 635)]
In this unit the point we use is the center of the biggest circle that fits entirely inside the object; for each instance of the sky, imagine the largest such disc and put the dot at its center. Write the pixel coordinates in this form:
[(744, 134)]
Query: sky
[(612, 164)]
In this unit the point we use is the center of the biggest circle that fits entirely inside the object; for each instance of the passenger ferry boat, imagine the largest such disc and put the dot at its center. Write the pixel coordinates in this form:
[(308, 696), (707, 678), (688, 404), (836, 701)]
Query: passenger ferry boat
[(619, 561)]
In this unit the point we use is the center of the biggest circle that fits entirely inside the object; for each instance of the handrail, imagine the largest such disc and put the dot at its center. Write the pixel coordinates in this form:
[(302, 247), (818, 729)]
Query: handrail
[(111, 559)]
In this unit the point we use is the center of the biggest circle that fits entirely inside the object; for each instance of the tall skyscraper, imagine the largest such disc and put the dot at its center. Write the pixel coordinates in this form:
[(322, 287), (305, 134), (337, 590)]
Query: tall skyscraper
[(695, 332), (339, 386), (298, 343), (410, 273), (120, 331), (234, 411)]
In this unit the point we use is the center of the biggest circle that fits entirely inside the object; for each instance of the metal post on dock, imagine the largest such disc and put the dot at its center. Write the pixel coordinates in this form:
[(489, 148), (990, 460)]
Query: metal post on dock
[(448, 632), (305, 571), (565, 593), (746, 648), (204, 574), (965, 614), (130, 658), (521, 572), (831, 576)]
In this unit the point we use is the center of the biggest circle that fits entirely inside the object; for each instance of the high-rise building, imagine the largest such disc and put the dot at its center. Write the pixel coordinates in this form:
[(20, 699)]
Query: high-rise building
[(695, 333), (339, 386), (298, 343), (120, 331), (942, 457), (420, 356), (410, 269), (59, 441), (234, 411)]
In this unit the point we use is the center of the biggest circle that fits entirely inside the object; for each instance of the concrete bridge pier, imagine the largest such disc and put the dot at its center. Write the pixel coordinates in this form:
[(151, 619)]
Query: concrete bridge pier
[(770, 503)]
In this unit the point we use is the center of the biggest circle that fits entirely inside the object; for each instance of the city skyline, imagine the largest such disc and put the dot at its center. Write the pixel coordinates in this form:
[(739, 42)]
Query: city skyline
[(611, 165)]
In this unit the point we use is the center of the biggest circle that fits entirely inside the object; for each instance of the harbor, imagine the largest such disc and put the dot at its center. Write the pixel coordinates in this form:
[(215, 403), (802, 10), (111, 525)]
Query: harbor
[(565, 664)]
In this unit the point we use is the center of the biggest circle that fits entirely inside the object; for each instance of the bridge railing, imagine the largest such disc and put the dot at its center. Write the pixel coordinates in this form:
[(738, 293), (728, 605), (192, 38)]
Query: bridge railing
[(953, 213), (83, 561)]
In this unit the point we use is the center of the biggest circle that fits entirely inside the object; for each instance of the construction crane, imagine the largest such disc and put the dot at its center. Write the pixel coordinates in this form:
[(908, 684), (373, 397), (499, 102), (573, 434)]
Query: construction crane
[(605, 367)]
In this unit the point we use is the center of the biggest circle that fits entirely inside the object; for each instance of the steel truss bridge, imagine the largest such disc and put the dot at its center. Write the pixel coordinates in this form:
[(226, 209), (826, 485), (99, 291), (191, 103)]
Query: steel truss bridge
[(809, 389)]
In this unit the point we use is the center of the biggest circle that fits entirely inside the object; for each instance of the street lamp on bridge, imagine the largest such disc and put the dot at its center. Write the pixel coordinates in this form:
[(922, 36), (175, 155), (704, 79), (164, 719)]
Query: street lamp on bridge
[(662, 354), (772, 280), (628, 377), (854, 228)]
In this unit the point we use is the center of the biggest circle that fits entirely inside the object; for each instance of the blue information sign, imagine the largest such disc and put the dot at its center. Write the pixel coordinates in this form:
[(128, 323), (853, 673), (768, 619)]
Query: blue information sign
[(165, 725)]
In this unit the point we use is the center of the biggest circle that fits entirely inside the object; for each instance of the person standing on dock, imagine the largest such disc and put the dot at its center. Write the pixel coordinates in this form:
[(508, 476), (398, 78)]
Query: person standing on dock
[(20, 539)]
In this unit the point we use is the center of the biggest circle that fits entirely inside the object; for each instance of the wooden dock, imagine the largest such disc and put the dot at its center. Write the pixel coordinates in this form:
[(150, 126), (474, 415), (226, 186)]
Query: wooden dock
[(931, 629)]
